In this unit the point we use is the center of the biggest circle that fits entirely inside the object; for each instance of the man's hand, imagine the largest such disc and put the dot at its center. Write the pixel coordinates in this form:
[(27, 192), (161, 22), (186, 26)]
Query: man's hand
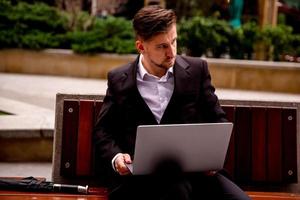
[(120, 165)]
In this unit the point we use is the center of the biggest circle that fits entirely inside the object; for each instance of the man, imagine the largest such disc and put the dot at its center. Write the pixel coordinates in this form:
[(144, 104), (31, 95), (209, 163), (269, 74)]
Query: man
[(159, 87)]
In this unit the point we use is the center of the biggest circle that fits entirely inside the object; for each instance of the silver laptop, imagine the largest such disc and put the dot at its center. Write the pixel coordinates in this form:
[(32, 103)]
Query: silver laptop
[(194, 147)]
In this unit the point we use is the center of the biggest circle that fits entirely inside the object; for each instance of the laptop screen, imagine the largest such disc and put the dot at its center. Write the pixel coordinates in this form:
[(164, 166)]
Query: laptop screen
[(194, 147)]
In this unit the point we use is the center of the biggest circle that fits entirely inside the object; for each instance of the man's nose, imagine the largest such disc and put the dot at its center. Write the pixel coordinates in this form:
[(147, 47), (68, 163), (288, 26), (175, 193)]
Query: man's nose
[(171, 51)]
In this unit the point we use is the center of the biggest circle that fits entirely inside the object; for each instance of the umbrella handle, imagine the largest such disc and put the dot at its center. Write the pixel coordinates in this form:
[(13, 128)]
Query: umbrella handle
[(70, 188)]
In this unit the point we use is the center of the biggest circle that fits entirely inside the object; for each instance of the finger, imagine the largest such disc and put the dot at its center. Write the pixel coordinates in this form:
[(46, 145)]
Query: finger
[(119, 162), (124, 171), (122, 168), (127, 158), (120, 165)]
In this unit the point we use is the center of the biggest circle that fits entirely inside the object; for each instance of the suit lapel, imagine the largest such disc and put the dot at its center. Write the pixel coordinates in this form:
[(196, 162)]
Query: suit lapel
[(181, 85), (182, 76), (132, 96)]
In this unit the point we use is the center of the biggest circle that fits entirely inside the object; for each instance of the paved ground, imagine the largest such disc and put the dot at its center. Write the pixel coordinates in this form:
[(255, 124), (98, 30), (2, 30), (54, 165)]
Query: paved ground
[(31, 98), (26, 170)]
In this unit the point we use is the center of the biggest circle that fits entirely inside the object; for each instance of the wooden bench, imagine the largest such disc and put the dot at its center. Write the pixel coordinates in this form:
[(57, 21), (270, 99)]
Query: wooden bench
[(273, 196), (262, 154), (15, 195), (21, 195)]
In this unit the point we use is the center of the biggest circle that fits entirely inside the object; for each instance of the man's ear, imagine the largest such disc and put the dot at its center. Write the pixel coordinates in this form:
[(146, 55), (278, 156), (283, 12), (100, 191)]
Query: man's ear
[(139, 46)]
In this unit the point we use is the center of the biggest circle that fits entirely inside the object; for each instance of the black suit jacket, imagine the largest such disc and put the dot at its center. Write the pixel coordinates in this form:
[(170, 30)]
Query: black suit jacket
[(193, 101)]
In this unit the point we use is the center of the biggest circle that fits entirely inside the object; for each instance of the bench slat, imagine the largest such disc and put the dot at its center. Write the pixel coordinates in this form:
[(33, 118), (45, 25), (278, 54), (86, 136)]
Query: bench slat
[(243, 144), (259, 119), (274, 143), (230, 157), (84, 144), (69, 138), (289, 117), (273, 196)]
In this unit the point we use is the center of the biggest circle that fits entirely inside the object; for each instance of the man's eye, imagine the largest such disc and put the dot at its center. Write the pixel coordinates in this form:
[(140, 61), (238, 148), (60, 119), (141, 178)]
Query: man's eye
[(162, 46)]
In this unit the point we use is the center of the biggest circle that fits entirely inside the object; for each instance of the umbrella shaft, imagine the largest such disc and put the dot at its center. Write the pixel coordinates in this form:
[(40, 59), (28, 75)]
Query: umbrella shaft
[(70, 188)]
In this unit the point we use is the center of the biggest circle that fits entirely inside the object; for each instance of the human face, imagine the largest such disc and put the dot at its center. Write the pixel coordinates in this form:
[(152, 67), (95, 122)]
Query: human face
[(159, 52)]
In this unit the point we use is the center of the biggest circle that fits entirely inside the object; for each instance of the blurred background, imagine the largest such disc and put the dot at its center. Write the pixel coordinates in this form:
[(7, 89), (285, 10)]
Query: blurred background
[(240, 29)]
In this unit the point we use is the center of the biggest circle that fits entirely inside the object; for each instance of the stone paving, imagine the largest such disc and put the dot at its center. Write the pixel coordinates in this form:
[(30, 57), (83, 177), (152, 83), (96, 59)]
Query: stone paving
[(31, 98), (31, 101)]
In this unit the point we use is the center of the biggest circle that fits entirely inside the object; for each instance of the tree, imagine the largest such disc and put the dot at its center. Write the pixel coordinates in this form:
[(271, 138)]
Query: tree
[(130, 8), (189, 8), (73, 7)]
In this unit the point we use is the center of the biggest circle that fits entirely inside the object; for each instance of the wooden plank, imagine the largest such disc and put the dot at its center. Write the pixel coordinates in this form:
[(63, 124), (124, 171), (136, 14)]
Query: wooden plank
[(289, 118), (24, 195), (243, 144), (259, 121), (274, 145), (84, 144), (18, 195), (69, 138), (230, 157), (273, 195)]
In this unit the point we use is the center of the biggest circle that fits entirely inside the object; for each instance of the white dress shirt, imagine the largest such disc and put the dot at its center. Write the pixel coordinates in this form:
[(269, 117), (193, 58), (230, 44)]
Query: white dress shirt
[(155, 91)]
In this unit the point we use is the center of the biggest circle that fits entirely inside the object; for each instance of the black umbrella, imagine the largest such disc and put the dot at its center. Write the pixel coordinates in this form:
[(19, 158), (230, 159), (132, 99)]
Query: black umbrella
[(32, 184)]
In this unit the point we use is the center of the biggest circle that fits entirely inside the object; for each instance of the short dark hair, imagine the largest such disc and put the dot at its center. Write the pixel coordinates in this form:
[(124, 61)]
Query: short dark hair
[(152, 20)]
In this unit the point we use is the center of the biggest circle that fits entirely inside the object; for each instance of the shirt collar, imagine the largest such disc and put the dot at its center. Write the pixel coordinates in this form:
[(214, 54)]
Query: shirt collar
[(143, 72)]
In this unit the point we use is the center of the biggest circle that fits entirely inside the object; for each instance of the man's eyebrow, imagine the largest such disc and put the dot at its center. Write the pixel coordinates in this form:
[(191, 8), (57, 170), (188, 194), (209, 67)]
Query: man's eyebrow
[(161, 44)]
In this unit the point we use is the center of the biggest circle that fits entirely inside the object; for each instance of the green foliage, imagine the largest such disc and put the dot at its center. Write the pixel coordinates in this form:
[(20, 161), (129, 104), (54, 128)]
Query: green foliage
[(278, 38), (48, 2), (108, 35), (243, 39), (199, 35), (38, 16), (295, 45), (128, 8), (39, 26), (40, 40), (79, 21), (33, 26), (189, 8)]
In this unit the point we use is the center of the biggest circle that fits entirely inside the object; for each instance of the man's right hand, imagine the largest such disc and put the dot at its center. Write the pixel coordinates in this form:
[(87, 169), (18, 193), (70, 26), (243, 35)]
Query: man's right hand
[(120, 165)]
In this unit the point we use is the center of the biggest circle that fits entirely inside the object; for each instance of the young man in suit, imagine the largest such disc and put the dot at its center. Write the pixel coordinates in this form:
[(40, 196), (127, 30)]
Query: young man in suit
[(159, 87)]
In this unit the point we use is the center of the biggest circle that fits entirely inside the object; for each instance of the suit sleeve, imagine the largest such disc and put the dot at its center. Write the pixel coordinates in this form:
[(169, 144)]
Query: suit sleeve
[(213, 109), (104, 131)]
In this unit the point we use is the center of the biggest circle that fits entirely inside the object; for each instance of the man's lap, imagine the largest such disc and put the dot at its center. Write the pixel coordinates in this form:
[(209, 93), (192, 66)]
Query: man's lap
[(183, 186)]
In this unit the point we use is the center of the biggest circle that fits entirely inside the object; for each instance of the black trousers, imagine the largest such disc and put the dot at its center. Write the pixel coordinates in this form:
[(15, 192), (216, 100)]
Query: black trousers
[(191, 186)]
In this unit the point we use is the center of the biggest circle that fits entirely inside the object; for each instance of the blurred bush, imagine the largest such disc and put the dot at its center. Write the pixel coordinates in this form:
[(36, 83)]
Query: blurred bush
[(243, 40), (113, 35), (200, 36), (39, 26), (33, 26), (278, 39)]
